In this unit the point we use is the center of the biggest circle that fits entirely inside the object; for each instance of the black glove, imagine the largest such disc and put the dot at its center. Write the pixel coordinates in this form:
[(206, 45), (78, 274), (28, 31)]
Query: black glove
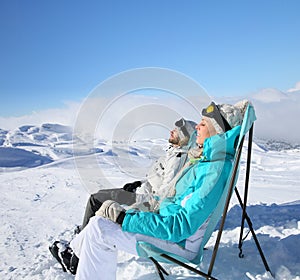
[(131, 187)]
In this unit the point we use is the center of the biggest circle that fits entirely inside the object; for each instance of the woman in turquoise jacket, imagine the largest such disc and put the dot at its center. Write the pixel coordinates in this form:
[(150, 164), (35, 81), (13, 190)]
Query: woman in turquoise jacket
[(197, 192), (176, 224)]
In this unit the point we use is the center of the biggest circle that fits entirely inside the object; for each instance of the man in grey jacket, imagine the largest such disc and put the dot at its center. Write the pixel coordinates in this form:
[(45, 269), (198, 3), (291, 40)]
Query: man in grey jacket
[(144, 195), (157, 181)]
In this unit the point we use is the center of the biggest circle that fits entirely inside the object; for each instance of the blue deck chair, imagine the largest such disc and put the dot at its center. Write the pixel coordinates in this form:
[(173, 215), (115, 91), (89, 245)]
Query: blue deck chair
[(156, 255)]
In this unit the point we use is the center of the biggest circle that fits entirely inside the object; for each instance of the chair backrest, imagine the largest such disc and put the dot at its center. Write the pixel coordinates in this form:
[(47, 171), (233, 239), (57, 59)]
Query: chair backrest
[(248, 120)]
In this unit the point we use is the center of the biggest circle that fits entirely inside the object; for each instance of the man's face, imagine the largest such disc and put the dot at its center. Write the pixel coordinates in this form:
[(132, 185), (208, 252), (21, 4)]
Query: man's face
[(204, 130), (174, 137)]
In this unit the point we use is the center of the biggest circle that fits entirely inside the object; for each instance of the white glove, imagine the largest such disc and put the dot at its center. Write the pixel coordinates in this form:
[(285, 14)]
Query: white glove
[(112, 210)]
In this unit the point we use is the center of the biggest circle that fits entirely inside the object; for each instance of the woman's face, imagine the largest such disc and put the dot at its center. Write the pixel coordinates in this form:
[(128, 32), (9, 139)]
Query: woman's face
[(204, 130)]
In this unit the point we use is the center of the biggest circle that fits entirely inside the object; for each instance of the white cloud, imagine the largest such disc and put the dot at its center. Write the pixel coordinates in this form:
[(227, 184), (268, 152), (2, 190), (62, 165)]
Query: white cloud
[(127, 117), (277, 114), (268, 95), (64, 116), (296, 88), (277, 117), (131, 116)]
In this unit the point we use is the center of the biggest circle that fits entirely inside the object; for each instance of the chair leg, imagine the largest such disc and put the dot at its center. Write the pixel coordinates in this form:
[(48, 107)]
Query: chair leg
[(190, 268), (160, 270), (254, 235)]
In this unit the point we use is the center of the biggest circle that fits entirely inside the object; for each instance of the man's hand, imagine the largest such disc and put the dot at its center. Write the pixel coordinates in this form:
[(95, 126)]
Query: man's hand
[(131, 187), (112, 210)]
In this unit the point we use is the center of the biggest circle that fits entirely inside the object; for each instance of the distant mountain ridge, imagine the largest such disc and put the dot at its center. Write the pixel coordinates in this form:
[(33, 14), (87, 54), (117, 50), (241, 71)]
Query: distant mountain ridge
[(31, 146), (275, 145), (29, 134)]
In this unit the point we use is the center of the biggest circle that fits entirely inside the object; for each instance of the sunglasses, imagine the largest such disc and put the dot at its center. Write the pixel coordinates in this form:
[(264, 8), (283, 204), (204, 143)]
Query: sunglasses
[(181, 124), (212, 111)]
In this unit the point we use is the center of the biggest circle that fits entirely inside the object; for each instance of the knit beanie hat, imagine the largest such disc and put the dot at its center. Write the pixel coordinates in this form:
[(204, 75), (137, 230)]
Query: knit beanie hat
[(224, 117), (185, 129)]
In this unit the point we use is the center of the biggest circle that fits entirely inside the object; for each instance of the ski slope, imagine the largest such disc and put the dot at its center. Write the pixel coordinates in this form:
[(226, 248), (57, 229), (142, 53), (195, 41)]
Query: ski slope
[(43, 199)]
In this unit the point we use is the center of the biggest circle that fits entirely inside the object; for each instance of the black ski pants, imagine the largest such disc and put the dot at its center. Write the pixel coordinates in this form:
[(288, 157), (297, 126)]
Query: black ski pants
[(95, 201)]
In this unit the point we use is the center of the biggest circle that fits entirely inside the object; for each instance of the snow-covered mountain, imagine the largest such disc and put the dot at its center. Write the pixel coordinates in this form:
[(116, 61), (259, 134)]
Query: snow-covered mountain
[(276, 145), (30, 146), (43, 197), (51, 142), (48, 141)]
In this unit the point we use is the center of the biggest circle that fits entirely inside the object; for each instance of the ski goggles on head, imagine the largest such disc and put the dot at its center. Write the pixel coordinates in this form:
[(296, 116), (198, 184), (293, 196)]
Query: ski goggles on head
[(181, 125), (212, 111)]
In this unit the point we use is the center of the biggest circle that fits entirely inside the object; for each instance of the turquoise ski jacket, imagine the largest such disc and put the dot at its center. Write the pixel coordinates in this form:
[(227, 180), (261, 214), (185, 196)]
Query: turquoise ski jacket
[(198, 191)]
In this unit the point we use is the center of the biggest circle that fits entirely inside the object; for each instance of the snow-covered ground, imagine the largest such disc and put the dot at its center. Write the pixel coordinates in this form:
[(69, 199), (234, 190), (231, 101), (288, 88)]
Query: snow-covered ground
[(43, 198)]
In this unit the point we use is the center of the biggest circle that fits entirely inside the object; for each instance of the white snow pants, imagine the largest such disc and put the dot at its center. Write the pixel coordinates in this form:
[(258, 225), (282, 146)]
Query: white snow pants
[(98, 244), (97, 248)]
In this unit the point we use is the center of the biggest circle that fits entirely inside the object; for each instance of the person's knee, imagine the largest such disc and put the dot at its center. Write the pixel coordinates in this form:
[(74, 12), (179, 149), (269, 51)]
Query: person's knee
[(92, 198), (95, 202)]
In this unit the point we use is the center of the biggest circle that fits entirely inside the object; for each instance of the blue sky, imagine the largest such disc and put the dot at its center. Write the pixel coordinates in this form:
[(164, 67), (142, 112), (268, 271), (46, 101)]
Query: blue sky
[(57, 51)]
